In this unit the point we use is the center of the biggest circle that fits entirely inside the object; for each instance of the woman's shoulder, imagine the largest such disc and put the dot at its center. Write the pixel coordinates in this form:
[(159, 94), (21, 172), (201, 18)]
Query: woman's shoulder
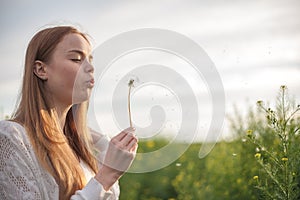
[(20, 171), (12, 130)]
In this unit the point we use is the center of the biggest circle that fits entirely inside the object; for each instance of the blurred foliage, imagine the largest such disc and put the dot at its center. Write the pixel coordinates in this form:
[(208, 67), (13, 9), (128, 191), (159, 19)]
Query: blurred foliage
[(226, 173), (230, 171)]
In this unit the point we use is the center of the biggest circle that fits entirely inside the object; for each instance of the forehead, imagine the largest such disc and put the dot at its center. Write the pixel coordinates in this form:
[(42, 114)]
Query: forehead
[(74, 41)]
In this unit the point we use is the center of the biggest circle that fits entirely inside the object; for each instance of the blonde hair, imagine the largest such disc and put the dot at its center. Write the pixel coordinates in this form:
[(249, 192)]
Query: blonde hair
[(58, 149)]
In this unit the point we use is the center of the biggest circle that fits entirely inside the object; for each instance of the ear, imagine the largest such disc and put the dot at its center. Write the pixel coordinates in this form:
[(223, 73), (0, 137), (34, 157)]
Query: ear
[(40, 70)]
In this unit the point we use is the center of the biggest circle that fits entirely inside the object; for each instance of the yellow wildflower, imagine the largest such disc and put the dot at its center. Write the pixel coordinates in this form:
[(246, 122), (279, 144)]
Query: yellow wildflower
[(284, 159), (255, 177), (249, 132), (150, 144), (283, 87), (257, 155), (259, 103)]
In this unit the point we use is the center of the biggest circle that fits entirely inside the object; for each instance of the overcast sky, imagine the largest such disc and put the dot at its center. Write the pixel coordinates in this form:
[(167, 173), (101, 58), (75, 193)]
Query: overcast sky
[(255, 45)]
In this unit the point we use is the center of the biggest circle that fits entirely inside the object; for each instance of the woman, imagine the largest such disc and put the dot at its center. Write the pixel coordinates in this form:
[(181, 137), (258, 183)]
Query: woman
[(46, 149)]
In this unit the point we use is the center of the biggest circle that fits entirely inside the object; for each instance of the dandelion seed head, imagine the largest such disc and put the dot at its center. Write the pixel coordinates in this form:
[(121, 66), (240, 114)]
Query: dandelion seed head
[(133, 80), (130, 83)]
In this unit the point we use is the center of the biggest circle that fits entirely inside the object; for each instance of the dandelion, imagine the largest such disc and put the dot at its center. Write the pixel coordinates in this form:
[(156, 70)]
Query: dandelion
[(284, 159), (257, 155), (255, 177), (130, 85)]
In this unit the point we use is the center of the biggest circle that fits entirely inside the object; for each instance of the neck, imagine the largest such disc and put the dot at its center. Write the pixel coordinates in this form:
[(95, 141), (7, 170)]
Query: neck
[(62, 114)]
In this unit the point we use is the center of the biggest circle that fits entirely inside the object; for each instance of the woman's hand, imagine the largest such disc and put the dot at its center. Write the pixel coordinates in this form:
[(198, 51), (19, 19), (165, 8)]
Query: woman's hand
[(119, 156)]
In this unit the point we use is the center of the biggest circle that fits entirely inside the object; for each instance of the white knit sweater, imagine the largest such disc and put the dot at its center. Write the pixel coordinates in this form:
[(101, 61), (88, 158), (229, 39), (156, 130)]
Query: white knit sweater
[(22, 177)]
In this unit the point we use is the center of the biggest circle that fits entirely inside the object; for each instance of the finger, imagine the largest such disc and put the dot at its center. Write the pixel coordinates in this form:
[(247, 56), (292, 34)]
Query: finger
[(127, 139), (129, 130), (121, 135), (135, 147), (132, 145)]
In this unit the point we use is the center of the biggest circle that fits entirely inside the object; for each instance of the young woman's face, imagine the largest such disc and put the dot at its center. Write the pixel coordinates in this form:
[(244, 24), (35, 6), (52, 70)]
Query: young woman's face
[(69, 72)]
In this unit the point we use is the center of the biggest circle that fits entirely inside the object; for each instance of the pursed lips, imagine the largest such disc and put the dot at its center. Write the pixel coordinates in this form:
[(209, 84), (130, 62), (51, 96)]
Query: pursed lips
[(91, 82)]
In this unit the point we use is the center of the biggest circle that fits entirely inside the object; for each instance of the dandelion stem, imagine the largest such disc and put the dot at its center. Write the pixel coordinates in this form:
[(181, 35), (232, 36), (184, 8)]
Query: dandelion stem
[(130, 84)]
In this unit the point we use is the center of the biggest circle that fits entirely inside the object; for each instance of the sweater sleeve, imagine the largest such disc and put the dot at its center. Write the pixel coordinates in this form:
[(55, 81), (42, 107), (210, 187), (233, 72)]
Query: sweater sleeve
[(92, 191), (100, 143)]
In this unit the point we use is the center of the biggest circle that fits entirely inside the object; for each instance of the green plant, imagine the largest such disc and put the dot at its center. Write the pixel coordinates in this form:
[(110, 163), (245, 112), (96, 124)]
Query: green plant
[(277, 149)]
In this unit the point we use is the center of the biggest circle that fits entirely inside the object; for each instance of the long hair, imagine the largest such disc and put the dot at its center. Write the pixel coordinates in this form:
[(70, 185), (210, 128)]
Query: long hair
[(58, 149)]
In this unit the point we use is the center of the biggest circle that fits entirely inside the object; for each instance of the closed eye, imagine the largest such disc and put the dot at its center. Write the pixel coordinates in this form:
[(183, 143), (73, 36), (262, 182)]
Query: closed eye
[(77, 60)]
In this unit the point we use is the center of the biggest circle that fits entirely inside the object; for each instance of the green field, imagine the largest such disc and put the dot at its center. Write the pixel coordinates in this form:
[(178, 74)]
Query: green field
[(261, 163)]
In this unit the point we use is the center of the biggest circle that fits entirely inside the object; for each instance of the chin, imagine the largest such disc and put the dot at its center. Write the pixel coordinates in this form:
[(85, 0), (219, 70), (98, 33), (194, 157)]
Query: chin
[(79, 98)]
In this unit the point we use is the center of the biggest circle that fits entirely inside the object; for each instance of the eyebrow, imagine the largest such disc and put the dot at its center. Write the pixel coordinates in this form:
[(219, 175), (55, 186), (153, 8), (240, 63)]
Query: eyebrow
[(83, 54)]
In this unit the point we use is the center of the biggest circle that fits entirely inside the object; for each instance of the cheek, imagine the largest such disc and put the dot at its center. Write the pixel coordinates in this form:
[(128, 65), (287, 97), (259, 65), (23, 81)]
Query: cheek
[(70, 75)]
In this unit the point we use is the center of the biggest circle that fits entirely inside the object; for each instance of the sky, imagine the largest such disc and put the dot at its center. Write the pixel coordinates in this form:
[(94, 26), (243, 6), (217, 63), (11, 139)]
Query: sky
[(254, 45)]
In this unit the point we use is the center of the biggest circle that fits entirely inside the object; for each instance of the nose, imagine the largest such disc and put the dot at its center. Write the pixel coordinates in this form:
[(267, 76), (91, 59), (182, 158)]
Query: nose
[(89, 68)]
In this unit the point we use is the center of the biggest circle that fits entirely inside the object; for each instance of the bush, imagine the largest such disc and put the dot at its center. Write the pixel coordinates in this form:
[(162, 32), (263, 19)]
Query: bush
[(278, 150)]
